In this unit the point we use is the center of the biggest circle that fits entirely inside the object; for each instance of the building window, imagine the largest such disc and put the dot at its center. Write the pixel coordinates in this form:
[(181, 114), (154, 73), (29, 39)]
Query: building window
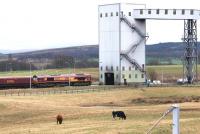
[(142, 75), (141, 11), (129, 76), (101, 76), (174, 11), (116, 13), (111, 14), (106, 14), (122, 13), (191, 12), (149, 11), (157, 11), (129, 13), (123, 68), (106, 68), (142, 66), (136, 76), (123, 76), (135, 68), (111, 68), (101, 15), (166, 11), (183, 12), (117, 68), (101, 68), (117, 76), (129, 68)]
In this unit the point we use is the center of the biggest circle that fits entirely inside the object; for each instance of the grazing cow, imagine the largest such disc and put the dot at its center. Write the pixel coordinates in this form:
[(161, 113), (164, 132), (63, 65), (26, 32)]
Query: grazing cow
[(119, 114), (59, 119)]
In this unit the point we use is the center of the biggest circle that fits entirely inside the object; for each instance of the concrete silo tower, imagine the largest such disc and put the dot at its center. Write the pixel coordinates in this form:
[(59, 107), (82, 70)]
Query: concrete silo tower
[(122, 42)]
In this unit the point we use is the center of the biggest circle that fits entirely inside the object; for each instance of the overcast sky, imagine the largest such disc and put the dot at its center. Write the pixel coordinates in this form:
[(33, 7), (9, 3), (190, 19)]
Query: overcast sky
[(40, 24)]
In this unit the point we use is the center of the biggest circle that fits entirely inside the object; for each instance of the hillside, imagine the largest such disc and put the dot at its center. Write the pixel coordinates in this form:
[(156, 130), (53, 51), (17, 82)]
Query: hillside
[(87, 56), (82, 52), (161, 50), (165, 53), (156, 50), (164, 50)]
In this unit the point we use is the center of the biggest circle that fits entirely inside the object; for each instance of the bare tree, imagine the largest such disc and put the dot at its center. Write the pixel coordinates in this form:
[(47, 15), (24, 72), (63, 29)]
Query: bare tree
[(152, 74)]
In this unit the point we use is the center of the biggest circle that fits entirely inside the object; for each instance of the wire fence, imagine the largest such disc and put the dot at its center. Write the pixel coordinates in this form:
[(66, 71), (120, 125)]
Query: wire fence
[(61, 90), (81, 89)]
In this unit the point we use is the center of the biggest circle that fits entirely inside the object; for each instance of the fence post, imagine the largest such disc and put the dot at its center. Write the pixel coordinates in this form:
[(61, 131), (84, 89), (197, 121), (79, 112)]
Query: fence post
[(176, 114)]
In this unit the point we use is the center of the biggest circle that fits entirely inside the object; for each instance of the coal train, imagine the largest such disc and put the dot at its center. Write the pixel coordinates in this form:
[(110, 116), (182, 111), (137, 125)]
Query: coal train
[(46, 81)]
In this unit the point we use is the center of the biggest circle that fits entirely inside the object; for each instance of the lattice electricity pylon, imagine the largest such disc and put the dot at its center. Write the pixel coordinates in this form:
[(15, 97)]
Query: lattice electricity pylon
[(191, 51)]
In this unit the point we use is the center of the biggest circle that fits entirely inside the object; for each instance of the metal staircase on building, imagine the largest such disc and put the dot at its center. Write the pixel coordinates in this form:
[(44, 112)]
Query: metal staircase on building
[(133, 62), (132, 26), (133, 46)]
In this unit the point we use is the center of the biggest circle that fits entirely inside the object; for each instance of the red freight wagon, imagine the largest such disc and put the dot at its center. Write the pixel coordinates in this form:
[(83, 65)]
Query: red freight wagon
[(9, 82), (46, 81)]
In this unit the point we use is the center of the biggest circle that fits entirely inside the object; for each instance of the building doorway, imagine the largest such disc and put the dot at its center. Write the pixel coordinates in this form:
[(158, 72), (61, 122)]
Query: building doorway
[(109, 79)]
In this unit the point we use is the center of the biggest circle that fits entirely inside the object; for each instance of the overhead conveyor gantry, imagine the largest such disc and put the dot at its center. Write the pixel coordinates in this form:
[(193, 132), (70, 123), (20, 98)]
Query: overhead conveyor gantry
[(166, 14), (190, 17)]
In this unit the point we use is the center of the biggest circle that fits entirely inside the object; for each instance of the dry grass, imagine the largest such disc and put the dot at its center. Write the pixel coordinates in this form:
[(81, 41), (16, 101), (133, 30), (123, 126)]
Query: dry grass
[(90, 113)]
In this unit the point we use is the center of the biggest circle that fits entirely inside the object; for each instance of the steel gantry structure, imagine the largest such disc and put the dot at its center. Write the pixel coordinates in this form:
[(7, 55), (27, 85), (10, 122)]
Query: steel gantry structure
[(190, 59)]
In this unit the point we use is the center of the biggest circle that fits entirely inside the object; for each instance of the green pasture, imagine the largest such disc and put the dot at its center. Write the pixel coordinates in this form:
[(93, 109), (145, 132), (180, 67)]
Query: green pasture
[(169, 72), (92, 71)]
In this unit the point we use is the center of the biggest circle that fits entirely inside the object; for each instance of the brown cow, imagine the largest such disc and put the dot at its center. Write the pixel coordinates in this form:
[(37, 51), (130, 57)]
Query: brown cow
[(59, 119)]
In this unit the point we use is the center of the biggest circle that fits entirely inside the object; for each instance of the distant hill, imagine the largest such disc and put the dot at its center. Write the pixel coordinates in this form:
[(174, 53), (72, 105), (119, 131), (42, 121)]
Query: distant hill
[(162, 53), (2, 56), (170, 49), (164, 50), (161, 50), (166, 53), (82, 52)]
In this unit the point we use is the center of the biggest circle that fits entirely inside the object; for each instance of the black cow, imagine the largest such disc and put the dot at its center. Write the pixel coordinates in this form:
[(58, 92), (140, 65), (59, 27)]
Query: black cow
[(119, 114)]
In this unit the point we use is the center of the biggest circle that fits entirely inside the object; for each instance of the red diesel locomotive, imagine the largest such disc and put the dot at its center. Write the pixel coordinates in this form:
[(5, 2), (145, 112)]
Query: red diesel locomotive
[(46, 81)]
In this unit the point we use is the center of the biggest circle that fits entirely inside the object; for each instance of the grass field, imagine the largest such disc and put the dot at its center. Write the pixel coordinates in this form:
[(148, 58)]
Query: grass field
[(92, 71), (170, 73), (90, 113)]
